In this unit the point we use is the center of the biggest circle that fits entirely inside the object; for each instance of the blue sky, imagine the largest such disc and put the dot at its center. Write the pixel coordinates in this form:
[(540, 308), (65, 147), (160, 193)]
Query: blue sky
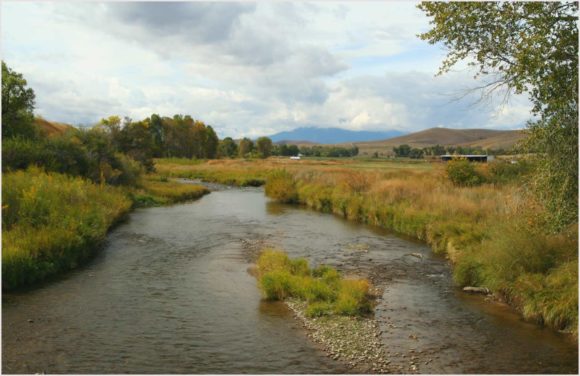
[(248, 69)]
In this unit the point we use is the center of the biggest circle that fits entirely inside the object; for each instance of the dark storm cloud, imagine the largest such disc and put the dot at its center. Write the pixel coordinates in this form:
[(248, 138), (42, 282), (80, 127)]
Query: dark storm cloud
[(204, 22)]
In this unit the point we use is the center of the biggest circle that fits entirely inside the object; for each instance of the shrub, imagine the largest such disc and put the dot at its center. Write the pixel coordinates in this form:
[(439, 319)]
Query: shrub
[(272, 260), (319, 309), (276, 284), (323, 290), (462, 173), (353, 298), (280, 186), (502, 172)]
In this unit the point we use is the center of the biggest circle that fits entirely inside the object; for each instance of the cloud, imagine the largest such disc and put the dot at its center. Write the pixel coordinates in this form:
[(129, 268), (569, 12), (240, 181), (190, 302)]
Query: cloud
[(248, 69)]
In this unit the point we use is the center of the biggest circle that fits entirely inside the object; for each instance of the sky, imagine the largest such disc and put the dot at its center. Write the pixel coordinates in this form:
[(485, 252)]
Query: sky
[(246, 68)]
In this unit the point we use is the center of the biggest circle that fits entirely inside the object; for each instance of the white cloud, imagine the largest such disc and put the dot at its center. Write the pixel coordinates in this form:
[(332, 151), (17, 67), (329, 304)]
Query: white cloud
[(246, 68)]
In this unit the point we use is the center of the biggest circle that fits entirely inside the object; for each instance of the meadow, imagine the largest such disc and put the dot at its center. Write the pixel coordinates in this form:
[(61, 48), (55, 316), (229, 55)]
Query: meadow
[(482, 219)]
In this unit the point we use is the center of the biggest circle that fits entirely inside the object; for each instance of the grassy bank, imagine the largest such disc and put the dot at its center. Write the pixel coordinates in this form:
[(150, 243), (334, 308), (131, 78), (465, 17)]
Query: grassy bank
[(241, 173), (53, 222), (159, 190), (489, 232), (322, 288)]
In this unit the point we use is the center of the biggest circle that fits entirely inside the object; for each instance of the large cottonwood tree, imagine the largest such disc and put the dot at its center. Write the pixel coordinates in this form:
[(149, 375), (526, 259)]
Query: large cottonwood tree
[(525, 47)]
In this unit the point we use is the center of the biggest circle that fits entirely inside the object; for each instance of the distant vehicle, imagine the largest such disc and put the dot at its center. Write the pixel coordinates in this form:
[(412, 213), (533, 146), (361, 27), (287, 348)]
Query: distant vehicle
[(295, 157)]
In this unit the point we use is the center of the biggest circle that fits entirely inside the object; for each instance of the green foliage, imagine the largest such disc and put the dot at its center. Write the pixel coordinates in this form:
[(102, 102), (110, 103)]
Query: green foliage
[(285, 150), (503, 172), (228, 148), (161, 190), (281, 187), (463, 173), (526, 47), (264, 147), (17, 106), (318, 309), (211, 143), (328, 151), (322, 288), (536, 271), (51, 222), (402, 151), (245, 147), (82, 153)]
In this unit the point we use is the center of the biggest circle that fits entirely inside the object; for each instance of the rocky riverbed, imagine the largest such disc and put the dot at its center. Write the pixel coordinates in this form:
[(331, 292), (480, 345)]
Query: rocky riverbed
[(352, 340)]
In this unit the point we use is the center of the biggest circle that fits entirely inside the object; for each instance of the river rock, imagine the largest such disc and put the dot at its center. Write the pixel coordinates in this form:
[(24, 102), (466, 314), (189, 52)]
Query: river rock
[(476, 290)]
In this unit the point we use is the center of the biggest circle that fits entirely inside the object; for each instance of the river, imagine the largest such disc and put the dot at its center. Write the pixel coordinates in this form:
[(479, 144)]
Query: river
[(170, 292)]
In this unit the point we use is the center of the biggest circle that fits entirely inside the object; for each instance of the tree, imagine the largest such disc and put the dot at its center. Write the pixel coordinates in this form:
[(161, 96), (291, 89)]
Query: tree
[(17, 106), (137, 142), (211, 143), (525, 47), (228, 148), (264, 147), (157, 131), (293, 150), (416, 153), (402, 151), (246, 146)]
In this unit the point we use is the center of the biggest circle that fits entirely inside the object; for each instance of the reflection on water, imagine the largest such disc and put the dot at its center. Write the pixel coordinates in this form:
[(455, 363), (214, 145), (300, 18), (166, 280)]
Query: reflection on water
[(171, 293)]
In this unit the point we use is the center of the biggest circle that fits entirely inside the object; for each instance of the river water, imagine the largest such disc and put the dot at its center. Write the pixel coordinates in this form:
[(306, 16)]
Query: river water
[(171, 293)]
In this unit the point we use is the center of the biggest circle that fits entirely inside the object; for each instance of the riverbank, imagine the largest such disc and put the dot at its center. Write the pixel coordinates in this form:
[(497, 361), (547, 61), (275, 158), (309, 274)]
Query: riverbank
[(53, 223), (476, 228)]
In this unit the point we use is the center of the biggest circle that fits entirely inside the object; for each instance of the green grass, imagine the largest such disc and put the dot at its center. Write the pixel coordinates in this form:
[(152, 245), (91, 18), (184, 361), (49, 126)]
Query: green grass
[(51, 223), (322, 288), (160, 190)]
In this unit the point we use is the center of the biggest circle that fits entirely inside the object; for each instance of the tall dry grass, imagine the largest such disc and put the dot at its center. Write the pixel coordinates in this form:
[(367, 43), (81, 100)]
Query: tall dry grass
[(489, 232), (51, 223)]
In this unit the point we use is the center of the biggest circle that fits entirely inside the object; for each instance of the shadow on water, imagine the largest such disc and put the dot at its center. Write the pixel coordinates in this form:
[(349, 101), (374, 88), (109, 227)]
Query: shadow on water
[(171, 293)]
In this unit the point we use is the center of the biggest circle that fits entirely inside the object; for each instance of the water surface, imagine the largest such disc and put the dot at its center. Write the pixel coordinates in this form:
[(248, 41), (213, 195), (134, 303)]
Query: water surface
[(171, 293)]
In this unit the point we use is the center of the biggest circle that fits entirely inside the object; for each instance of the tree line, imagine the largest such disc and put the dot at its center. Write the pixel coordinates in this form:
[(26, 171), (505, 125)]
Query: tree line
[(116, 149), (406, 151)]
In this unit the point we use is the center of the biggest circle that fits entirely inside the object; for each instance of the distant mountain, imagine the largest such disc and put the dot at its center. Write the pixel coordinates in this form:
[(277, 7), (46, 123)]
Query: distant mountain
[(484, 138), (331, 135)]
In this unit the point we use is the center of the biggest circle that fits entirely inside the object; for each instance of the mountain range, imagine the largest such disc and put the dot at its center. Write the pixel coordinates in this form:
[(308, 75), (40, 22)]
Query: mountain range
[(331, 135)]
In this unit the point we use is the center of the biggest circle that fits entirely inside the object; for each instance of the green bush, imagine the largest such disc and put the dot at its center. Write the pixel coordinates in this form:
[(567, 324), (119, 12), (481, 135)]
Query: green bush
[(280, 186), (463, 173), (503, 172), (322, 288), (319, 309)]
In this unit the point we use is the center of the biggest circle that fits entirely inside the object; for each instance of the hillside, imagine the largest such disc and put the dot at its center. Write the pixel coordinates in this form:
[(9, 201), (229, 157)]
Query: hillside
[(484, 138), (331, 135), (51, 128)]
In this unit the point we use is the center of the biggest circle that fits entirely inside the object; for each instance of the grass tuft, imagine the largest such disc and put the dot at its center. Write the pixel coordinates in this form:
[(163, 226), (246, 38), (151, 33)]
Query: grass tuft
[(322, 288)]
